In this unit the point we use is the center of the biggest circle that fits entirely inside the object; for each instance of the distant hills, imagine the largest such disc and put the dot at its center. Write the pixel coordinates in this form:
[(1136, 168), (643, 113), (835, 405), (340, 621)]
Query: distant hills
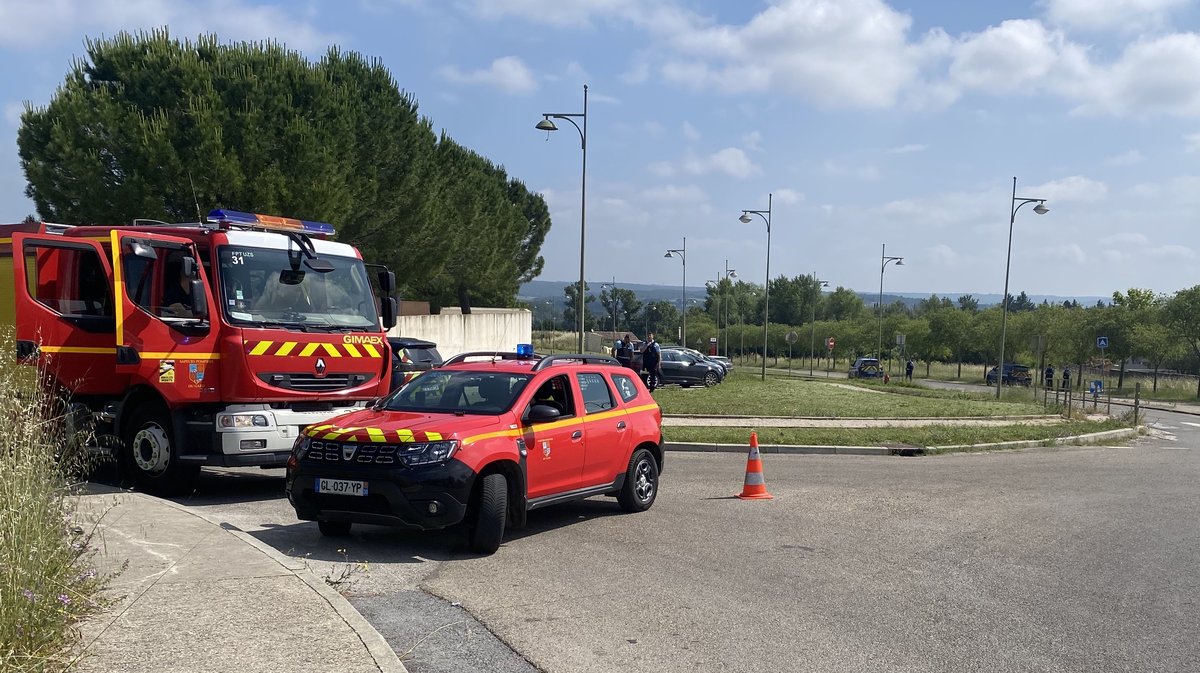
[(553, 290)]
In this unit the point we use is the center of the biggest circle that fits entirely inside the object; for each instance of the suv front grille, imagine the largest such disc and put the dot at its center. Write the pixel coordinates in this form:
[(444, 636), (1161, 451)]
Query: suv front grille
[(336, 452), (311, 383)]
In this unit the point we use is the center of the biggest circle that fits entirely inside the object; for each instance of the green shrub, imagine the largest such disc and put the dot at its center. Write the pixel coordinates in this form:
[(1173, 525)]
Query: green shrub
[(46, 580)]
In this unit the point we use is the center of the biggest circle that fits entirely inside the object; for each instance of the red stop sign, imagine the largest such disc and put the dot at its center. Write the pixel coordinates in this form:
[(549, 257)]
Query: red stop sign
[(829, 343)]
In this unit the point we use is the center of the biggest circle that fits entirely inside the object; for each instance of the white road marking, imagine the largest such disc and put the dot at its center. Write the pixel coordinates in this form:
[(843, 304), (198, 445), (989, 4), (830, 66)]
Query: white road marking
[(1194, 425)]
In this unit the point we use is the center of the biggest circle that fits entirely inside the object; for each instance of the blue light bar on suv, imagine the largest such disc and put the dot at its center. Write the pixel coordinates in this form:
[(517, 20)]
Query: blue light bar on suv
[(271, 222)]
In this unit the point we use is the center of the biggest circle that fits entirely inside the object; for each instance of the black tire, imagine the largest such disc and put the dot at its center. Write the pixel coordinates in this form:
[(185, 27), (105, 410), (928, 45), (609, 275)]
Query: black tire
[(711, 379), (150, 456), (334, 528), (487, 529), (641, 482)]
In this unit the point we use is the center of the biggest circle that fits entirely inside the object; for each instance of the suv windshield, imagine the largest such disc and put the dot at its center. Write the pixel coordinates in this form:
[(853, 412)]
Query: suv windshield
[(259, 288), (440, 391)]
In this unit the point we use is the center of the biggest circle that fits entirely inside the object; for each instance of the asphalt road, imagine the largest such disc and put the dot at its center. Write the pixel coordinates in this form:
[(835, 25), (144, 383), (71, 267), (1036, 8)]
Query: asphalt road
[(1066, 559)]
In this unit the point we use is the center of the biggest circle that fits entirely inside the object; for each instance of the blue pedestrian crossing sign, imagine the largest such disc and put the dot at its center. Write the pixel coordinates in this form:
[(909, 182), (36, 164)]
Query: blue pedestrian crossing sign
[(1101, 342)]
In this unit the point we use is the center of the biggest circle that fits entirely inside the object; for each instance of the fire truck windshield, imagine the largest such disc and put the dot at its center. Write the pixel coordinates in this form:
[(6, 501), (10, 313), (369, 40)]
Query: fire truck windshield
[(259, 287)]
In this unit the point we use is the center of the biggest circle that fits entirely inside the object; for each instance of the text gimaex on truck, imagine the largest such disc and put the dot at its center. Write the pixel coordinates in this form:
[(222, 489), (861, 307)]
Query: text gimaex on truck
[(211, 343)]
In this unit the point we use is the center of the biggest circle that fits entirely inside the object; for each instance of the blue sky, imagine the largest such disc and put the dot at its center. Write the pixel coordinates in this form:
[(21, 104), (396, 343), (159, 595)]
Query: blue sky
[(872, 123)]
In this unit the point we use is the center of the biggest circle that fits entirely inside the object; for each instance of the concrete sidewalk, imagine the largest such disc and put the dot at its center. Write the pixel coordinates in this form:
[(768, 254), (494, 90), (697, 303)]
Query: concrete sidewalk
[(195, 595)]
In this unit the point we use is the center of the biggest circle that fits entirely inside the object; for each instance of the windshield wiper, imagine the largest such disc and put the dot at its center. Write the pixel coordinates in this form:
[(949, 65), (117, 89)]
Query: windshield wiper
[(278, 323)]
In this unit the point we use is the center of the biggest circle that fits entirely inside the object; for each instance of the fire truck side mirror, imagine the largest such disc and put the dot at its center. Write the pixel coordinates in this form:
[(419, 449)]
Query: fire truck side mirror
[(387, 282), (140, 249), (387, 307), (199, 299), (189, 267)]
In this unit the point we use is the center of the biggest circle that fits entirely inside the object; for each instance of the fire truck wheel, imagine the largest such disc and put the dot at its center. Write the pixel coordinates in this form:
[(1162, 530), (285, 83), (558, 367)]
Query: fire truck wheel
[(151, 457)]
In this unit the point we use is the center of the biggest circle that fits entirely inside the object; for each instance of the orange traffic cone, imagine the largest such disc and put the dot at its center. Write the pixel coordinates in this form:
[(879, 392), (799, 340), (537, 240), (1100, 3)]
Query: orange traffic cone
[(755, 487)]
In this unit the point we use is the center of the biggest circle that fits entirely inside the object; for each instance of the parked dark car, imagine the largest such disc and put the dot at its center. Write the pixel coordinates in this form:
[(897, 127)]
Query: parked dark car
[(725, 363), (865, 368), (410, 357), (1014, 375), (685, 369)]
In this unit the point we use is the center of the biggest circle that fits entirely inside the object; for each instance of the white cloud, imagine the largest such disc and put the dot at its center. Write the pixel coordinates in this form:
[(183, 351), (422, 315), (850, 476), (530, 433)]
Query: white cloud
[(753, 141), (13, 112), (690, 131), (730, 161), (562, 13), (1125, 238), (1159, 76), (1125, 15), (907, 149), (1074, 189), (1127, 159), (1172, 252), (837, 54), (788, 196), (1070, 253), (508, 73), (945, 255), (28, 24), (1192, 142), (865, 172), (662, 169), (675, 194)]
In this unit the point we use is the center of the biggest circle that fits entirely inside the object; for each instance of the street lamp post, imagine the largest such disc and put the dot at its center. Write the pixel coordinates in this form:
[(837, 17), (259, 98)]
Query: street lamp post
[(812, 345), (884, 260), (745, 219), (547, 125), (1015, 205), (682, 254), (729, 273)]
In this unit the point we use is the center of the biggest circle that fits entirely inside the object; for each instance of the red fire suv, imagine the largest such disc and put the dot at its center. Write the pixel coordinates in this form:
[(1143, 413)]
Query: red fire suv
[(483, 439)]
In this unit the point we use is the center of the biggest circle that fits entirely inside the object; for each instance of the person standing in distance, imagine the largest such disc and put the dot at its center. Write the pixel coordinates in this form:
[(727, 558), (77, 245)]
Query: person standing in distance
[(652, 362)]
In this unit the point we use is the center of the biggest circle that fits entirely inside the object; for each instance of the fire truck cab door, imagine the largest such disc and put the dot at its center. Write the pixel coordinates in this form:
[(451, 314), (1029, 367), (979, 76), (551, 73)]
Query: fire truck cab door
[(161, 338), (64, 310)]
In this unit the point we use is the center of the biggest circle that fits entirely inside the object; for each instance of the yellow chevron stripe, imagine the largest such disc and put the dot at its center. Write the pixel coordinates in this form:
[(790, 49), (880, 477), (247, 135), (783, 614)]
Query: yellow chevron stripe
[(352, 350), (308, 350), (286, 348), (376, 434), (433, 436), (405, 435), (332, 350), (261, 347), (371, 349), (333, 435)]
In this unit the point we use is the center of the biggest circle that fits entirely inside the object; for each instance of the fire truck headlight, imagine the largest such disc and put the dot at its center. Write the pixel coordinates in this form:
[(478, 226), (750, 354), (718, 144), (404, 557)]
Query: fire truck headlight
[(243, 421)]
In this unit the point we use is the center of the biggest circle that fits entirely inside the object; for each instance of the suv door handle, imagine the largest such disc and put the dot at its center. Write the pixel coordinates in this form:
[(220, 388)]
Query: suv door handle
[(577, 434), (621, 425)]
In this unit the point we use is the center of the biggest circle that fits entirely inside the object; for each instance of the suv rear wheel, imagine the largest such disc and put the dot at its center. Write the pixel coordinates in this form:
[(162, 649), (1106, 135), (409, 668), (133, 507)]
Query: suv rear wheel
[(641, 482)]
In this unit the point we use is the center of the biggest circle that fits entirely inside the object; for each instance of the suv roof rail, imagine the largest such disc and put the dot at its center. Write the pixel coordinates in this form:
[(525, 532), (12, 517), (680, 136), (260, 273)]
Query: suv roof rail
[(585, 359), (495, 355)]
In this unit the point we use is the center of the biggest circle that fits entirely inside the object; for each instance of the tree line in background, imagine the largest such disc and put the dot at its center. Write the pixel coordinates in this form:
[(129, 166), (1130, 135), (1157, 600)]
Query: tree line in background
[(146, 126), (1163, 331)]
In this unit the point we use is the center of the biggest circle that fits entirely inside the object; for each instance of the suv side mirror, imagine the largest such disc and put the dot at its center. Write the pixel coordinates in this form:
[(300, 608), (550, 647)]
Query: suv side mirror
[(542, 413)]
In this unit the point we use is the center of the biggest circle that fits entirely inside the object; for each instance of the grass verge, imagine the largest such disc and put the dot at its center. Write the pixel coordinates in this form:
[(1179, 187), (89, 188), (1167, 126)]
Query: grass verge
[(750, 396), (47, 582), (935, 435)]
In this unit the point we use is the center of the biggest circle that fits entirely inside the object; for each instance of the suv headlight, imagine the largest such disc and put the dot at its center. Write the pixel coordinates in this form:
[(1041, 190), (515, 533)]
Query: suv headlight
[(427, 453), (301, 446)]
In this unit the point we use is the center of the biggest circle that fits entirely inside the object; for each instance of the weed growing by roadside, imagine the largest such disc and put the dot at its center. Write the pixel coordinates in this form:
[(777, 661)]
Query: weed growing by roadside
[(47, 580), (343, 576)]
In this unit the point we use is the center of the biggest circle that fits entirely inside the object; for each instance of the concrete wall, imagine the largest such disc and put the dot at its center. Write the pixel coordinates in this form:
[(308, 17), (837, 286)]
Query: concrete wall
[(485, 329)]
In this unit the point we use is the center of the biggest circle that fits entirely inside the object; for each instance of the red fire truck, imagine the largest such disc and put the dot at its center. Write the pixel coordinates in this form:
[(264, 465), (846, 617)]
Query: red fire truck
[(210, 343)]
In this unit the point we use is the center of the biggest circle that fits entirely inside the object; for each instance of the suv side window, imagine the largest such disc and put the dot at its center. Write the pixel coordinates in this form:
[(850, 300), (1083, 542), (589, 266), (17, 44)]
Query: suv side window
[(596, 395), (556, 392), (625, 387)]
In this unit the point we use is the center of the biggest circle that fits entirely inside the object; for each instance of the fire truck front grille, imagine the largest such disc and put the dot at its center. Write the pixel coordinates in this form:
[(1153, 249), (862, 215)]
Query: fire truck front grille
[(310, 383)]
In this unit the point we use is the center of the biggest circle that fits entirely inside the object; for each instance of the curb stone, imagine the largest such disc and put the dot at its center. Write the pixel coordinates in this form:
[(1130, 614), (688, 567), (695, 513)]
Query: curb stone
[(383, 655), (706, 447)]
